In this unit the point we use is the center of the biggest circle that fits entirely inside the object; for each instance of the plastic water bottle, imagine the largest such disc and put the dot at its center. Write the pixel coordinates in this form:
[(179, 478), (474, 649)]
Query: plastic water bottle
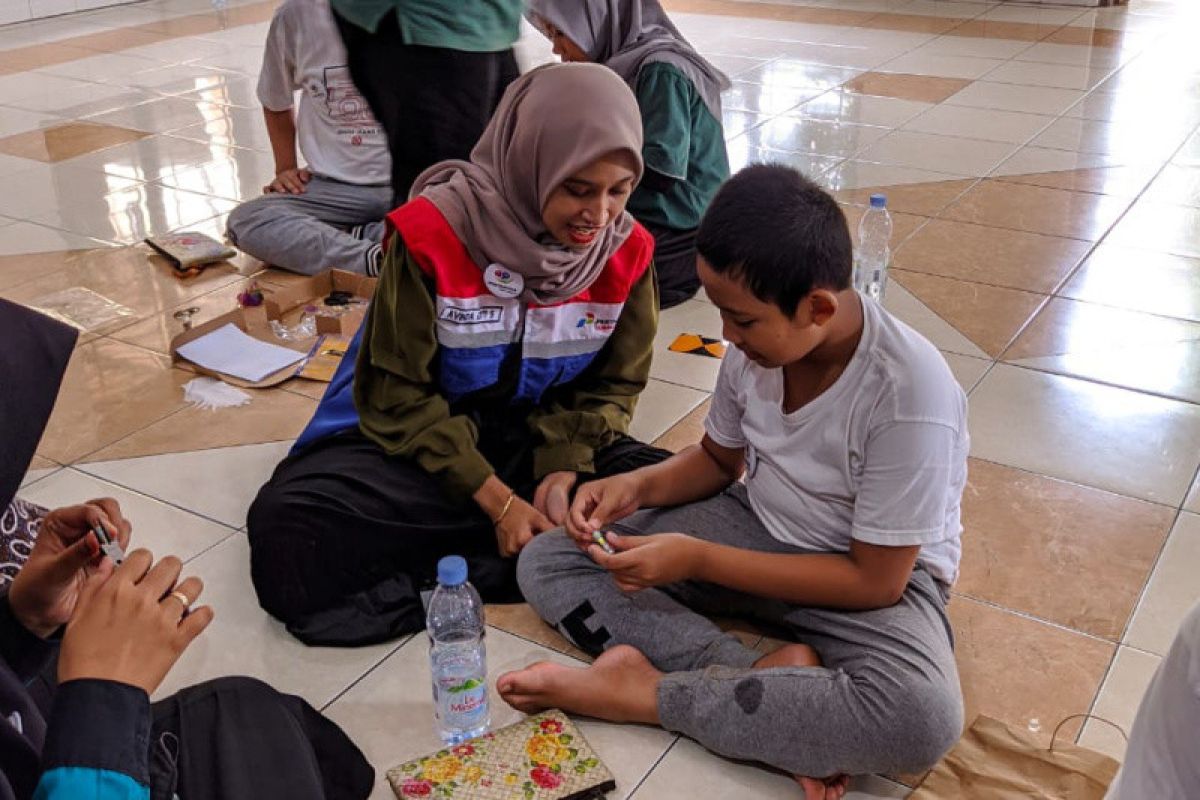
[(456, 654), (874, 249)]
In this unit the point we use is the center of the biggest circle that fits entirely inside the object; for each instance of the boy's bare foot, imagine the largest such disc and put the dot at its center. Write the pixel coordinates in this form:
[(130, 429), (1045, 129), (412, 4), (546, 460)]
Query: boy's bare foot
[(621, 686), (790, 655), (833, 788)]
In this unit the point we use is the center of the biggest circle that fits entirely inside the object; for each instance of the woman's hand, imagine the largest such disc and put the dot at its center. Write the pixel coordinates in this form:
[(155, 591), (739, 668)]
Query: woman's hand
[(131, 626), (553, 496), (46, 591), (519, 526)]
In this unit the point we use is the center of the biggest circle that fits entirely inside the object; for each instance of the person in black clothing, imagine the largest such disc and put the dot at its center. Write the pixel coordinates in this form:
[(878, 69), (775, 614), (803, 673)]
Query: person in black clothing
[(76, 720)]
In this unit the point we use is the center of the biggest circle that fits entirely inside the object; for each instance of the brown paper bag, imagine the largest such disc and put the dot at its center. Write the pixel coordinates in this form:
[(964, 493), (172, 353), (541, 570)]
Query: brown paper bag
[(993, 761)]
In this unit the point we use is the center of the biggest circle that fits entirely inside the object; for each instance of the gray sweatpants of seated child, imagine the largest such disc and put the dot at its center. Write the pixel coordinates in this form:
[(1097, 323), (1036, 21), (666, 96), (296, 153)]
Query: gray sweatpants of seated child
[(886, 700), (333, 224)]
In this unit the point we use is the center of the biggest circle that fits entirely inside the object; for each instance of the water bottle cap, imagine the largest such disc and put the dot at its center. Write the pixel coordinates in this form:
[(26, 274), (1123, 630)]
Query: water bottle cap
[(452, 571), (879, 201)]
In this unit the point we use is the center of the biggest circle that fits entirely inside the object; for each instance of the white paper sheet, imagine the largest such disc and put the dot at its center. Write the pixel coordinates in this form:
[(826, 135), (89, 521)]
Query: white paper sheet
[(231, 351)]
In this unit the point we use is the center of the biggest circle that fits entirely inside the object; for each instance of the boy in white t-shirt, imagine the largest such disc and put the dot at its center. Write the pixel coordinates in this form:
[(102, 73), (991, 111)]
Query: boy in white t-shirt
[(328, 213), (851, 433)]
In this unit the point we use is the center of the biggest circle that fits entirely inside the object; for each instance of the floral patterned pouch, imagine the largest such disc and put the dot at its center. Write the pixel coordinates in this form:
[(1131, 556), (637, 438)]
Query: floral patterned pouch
[(543, 757)]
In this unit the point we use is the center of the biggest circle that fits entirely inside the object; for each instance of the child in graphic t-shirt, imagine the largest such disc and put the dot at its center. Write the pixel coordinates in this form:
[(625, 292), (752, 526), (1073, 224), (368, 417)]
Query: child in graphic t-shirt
[(851, 433), (329, 211)]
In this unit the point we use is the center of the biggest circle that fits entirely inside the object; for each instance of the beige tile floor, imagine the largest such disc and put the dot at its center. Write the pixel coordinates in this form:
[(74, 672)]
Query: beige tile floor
[(1043, 166)]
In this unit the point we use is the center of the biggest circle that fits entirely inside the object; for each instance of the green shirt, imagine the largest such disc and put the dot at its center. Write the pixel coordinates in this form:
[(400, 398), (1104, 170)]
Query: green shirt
[(401, 409), (683, 141), (473, 26)]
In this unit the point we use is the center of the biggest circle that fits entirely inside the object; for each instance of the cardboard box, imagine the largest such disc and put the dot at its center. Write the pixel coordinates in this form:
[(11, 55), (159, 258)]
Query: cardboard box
[(285, 304)]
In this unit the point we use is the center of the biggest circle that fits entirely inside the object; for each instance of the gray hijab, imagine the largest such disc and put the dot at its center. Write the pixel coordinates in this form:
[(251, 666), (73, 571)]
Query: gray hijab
[(552, 122), (624, 35)]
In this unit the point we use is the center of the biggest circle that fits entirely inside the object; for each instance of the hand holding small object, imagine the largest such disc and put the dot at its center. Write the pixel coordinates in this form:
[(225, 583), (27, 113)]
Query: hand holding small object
[(599, 503), (642, 562), (68, 550), (133, 623)]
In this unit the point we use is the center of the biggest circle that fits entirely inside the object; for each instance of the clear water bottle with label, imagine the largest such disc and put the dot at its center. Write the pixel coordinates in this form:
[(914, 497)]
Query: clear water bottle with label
[(874, 249), (457, 656)]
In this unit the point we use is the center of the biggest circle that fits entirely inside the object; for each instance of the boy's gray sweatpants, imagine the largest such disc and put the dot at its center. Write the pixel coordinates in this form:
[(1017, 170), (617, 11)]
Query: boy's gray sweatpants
[(311, 232), (886, 700)]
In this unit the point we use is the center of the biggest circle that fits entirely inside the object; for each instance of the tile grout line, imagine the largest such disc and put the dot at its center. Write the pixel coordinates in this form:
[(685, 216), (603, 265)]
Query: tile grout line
[(404, 641)]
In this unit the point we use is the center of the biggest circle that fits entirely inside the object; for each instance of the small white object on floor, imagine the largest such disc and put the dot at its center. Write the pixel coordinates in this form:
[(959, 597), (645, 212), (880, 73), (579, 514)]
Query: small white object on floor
[(210, 393)]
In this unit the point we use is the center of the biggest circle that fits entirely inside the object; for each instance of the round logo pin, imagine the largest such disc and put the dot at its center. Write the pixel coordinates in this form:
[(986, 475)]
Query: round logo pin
[(503, 282)]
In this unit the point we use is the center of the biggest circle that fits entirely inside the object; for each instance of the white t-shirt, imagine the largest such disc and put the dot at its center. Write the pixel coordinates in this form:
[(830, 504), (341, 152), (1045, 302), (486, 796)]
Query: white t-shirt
[(880, 456), (338, 137), (1162, 761)]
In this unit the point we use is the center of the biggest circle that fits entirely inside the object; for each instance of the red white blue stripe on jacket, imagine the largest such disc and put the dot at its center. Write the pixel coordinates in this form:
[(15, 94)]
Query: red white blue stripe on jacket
[(478, 332)]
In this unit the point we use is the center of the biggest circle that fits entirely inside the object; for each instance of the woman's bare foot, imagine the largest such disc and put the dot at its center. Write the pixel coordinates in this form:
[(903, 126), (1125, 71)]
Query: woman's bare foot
[(833, 788), (621, 686), (790, 655)]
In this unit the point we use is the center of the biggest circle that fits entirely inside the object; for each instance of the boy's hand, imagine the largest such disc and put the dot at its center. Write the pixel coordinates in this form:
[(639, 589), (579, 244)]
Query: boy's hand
[(553, 496), (519, 526), (131, 624), (601, 502), (289, 181), (642, 562), (45, 592)]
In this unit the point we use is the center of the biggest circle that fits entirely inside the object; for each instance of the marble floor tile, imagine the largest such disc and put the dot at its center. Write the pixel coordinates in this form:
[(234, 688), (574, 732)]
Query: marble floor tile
[(16, 269), (25, 237), (1121, 181), (66, 140), (1063, 76), (990, 317), (45, 187), (914, 313), (945, 153), (968, 371), (1176, 185), (1118, 701), (110, 390), (1051, 53), (684, 369), (995, 48), (160, 528), (921, 88), (166, 115), (860, 109), (1193, 499), (762, 99), (1172, 591), (389, 714), (921, 199), (814, 136), (233, 476), (1086, 433), (272, 415), (979, 123), (942, 65), (855, 174), (1019, 670), (237, 174), (660, 406), (153, 158), (686, 432), (128, 216), (243, 640), (690, 771), (1036, 209), (1045, 547), (797, 73), (1169, 228), (129, 276), (1127, 142), (1010, 258), (1116, 346), (1014, 97)]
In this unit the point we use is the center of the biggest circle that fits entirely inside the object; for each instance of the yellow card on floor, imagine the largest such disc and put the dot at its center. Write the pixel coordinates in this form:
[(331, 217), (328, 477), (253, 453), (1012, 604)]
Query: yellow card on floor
[(698, 345)]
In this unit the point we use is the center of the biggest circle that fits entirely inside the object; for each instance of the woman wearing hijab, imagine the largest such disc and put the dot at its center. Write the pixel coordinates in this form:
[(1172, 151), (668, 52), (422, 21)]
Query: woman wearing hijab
[(679, 94), (76, 721), (506, 347)]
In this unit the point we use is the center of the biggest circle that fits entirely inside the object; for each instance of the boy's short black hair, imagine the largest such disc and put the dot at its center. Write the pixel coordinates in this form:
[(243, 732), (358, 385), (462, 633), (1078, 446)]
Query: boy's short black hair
[(779, 233)]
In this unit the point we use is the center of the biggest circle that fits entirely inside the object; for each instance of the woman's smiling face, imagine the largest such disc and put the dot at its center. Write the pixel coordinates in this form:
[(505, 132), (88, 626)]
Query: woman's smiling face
[(588, 201)]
